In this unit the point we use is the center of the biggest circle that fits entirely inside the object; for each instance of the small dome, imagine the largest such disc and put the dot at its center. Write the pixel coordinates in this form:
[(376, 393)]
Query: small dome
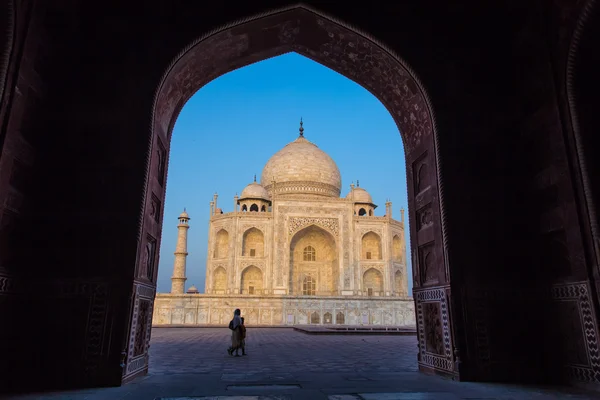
[(360, 195), (184, 214), (254, 191), (193, 289)]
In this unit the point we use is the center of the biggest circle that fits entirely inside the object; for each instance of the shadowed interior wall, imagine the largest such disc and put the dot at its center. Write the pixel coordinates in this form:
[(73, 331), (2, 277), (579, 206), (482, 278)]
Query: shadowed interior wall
[(76, 114)]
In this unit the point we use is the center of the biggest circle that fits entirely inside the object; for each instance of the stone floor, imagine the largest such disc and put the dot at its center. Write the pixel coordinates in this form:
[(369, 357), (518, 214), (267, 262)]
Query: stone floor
[(192, 363)]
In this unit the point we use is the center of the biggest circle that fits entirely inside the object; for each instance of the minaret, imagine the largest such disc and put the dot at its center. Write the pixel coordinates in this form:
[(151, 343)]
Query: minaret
[(178, 279), (388, 209)]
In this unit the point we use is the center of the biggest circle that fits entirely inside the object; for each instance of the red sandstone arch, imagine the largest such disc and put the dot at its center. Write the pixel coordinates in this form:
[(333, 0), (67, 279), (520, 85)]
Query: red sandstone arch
[(362, 59), (590, 10)]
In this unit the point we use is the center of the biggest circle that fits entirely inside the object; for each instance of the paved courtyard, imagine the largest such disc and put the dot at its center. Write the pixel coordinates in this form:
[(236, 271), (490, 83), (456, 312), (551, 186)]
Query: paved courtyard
[(192, 363)]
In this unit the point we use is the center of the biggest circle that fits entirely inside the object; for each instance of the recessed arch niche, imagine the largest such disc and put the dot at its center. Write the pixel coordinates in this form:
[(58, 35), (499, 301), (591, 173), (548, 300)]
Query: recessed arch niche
[(313, 258)]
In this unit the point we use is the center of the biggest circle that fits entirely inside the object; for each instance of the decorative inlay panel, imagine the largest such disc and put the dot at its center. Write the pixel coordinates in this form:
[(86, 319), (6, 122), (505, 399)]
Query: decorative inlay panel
[(434, 325), (258, 264), (297, 223), (366, 230), (578, 294)]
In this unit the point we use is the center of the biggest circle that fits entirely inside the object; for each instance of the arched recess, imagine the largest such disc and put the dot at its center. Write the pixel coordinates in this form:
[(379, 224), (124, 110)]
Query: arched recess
[(221, 244), (339, 318), (397, 249), (398, 285), (371, 248), (359, 57), (252, 280), (219, 281), (315, 318), (314, 254), (253, 243), (373, 282), (254, 207)]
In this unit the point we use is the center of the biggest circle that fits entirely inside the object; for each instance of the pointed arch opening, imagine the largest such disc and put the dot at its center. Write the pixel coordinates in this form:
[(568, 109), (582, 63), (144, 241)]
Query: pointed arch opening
[(221, 249), (325, 40), (373, 282), (251, 281), (219, 281), (314, 257), (397, 249), (399, 283), (253, 243), (371, 248)]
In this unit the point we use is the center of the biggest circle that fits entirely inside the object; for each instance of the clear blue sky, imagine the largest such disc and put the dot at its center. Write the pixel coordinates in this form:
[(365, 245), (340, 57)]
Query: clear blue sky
[(231, 127)]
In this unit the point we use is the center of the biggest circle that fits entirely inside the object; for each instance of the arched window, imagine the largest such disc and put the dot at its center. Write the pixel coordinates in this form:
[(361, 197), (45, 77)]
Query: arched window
[(254, 208), (263, 209), (370, 213), (309, 286), (310, 254), (362, 212), (244, 208), (314, 318)]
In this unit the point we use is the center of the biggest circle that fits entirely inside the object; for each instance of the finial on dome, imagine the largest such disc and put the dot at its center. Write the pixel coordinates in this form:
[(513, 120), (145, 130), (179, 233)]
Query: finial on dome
[(301, 128), (254, 178), (357, 184)]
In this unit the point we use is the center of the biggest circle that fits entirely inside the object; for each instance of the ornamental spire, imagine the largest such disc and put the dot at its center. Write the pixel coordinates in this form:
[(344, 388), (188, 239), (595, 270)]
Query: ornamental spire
[(301, 128), (254, 178)]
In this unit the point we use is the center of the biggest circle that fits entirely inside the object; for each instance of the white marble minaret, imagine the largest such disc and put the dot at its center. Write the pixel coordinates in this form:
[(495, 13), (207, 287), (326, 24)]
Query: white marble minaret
[(178, 279)]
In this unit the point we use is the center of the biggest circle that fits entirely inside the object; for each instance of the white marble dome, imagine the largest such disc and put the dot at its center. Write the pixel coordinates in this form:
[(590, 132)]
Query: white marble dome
[(254, 191), (302, 168), (360, 195)]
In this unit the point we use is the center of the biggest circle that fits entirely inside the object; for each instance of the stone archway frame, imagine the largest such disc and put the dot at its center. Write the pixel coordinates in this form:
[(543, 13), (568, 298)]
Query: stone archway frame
[(360, 58), (575, 123), (326, 225), (579, 293)]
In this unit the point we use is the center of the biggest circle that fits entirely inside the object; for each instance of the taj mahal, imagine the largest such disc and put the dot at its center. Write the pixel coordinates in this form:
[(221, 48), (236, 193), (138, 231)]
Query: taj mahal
[(294, 252)]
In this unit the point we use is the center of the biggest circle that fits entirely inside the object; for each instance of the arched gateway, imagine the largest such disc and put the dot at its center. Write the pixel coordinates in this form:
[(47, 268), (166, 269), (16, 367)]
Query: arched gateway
[(516, 123), (377, 69)]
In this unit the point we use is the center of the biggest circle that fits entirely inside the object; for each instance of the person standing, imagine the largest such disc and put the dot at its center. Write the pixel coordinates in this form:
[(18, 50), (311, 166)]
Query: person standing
[(243, 336), (234, 325)]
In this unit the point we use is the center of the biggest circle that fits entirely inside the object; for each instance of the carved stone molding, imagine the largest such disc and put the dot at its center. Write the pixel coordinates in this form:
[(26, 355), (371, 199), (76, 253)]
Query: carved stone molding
[(365, 230), (258, 264), (223, 265), (378, 267), (297, 223), (318, 188), (429, 303), (244, 227), (217, 228)]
